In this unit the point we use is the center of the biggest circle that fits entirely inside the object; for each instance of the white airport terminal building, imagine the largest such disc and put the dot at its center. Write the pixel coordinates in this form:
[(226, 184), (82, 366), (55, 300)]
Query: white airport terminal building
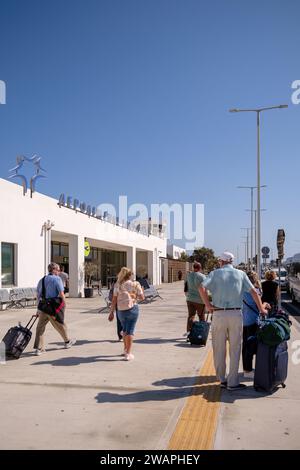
[(39, 229)]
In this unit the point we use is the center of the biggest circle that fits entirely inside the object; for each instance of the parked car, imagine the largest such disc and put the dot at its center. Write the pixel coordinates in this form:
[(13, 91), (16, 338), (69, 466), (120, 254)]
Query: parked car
[(283, 277), (293, 279)]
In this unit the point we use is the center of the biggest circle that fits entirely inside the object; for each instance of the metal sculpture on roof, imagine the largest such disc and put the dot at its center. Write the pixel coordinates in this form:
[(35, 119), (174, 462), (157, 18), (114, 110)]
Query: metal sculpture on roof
[(36, 161)]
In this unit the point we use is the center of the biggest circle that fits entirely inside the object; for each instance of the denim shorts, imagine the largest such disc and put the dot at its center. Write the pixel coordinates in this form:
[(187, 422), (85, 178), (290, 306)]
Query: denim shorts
[(128, 319)]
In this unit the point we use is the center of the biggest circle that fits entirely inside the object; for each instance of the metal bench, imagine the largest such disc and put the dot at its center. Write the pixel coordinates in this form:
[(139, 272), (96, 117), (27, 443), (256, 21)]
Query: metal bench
[(17, 298), (4, 298), (30, 296), (105, 294), (150, 294)]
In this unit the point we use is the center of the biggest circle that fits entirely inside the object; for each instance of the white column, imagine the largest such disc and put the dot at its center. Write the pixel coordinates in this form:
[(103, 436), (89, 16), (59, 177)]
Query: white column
[(76, 266), (0, 264), (156, 280), (151, 267), (165, 267), (47, 245), (131, 259)]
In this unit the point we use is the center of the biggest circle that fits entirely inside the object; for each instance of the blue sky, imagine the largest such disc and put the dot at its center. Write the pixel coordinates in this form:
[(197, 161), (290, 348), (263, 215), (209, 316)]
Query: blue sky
[(132, 97)]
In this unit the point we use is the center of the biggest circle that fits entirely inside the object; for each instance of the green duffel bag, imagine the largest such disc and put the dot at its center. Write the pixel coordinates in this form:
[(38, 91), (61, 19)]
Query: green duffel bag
[(273, 331)]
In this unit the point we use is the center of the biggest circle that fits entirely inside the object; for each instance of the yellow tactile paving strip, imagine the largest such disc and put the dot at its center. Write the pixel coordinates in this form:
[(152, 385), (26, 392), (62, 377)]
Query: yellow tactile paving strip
[(197, 424)]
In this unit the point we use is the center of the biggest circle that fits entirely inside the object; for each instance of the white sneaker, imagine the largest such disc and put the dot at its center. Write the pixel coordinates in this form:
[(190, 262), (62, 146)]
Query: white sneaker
[(38, 352), (249, 375), (129, 357), (70, 343)]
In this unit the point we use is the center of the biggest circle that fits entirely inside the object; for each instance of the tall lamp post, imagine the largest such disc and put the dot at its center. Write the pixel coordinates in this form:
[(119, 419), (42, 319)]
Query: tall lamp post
[(247, 242), (258, 230), (254, 210), (251, 210)]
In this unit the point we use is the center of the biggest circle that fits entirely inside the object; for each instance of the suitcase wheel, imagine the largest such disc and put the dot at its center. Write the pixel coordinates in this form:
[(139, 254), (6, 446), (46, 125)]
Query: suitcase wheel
[(283, 385)]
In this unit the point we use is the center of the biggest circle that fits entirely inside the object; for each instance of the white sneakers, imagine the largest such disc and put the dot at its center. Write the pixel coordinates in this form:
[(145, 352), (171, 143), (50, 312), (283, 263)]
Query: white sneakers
[(249, 375), (38, 352), (129, 357), (70, 343)]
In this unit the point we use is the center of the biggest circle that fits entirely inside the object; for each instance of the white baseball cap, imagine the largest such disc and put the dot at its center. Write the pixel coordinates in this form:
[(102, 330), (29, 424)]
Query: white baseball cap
[(226, 256)]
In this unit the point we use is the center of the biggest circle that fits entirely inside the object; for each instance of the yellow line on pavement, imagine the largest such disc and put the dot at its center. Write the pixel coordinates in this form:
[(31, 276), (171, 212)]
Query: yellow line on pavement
[(197, 424)]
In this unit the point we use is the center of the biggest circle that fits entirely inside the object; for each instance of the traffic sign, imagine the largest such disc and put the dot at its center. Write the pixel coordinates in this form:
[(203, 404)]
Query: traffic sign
[(265, 250), (265, 256)]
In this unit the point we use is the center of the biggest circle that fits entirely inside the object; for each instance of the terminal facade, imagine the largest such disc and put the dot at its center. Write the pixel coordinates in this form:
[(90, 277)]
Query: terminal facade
[(39, 229)]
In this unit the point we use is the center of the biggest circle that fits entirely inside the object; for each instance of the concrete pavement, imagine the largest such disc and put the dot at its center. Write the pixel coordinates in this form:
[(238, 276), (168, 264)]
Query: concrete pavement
[(88, 397)]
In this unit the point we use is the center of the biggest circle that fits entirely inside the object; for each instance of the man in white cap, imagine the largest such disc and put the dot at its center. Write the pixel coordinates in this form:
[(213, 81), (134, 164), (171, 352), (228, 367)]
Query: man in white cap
[(227, 286)]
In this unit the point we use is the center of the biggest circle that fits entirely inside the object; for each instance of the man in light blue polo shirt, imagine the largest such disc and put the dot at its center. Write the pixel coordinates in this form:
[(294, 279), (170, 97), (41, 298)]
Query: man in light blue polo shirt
[(227, 286)]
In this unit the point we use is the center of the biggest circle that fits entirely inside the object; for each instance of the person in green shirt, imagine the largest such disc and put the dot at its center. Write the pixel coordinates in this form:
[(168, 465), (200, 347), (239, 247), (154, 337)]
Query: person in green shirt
[(194, 300)]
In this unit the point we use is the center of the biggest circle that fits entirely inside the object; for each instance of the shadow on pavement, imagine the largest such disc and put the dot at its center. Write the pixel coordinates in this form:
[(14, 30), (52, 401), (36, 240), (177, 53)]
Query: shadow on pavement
[(188, 345), (96, 310), (185, 381), (247, 394), (201, 387), (76, 361), (80, 342), (156, 340)]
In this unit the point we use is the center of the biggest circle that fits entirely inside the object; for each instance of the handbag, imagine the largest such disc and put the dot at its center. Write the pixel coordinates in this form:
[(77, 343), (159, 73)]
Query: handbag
[(54, 306)]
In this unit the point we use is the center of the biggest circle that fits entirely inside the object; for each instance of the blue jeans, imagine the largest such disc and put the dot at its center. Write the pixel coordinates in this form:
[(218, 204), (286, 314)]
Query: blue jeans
[(128, 319)]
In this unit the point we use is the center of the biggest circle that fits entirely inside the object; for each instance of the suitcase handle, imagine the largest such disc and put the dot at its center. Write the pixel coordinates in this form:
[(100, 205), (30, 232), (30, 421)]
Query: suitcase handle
[(31, 323)]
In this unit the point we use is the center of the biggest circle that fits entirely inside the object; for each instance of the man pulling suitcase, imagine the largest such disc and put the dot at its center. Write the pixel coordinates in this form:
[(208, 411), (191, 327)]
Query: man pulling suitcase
[(51, 307)]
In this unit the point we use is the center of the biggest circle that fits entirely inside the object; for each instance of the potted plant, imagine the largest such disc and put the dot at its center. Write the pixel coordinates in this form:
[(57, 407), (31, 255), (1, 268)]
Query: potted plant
[(90, 269)]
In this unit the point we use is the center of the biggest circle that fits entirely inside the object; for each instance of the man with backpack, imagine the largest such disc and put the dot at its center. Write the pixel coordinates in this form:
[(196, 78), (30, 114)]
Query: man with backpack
[(51, 307), (195, 304)]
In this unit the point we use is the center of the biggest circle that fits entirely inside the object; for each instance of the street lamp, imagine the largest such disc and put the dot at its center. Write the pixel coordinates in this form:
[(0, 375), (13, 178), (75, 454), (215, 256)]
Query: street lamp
[(251, 233), (258, 230), (255, 219), (247, 241)]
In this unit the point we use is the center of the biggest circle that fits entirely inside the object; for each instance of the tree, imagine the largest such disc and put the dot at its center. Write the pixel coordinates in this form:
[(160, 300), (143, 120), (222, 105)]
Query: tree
[(184, 257), (90, 270), (206, 257)]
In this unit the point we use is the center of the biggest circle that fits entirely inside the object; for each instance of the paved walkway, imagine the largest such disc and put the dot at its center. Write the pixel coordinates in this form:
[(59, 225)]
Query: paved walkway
[(88, 397)]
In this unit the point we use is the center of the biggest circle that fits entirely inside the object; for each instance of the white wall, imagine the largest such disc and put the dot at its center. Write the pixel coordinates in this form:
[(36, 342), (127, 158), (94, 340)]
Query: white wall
[(22, 218), (175, 251)]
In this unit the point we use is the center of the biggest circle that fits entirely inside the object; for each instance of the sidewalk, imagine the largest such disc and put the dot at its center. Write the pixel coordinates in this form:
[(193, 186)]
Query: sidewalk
[(252, 420), (88, 397)]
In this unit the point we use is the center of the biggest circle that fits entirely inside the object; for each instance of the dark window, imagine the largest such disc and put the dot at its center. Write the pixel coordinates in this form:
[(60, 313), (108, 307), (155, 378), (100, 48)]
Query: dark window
[(64, 250), (7, 264), (55, 250)]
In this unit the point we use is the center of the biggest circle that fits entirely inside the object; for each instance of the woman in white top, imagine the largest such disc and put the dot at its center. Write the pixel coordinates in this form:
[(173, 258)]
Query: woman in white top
[(126, 294)]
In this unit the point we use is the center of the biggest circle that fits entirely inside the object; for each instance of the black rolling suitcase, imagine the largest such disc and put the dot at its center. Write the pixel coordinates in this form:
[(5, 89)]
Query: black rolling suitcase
[(17, 338), (271, 367), (199, 333)]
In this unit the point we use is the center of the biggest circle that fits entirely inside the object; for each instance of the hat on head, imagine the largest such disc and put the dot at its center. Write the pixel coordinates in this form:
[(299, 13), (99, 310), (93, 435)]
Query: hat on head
[(226, 256)]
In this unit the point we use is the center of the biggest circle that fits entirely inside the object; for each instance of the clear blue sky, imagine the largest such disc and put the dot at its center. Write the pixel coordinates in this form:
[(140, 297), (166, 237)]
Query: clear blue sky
[(132, 97)]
